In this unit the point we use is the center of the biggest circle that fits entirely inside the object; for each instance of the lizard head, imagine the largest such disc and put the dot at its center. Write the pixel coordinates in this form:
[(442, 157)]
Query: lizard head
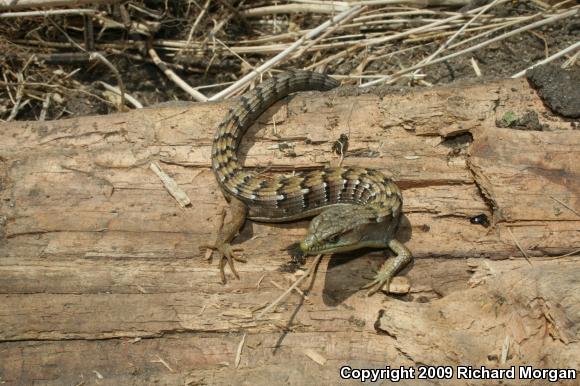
[(344, 228)]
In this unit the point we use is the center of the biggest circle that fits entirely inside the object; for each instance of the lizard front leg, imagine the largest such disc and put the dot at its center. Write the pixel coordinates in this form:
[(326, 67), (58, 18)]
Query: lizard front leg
[(228, 230), (390, 267)]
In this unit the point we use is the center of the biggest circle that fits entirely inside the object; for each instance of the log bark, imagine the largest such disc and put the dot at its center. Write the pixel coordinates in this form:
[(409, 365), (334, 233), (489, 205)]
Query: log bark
[(103, 278)]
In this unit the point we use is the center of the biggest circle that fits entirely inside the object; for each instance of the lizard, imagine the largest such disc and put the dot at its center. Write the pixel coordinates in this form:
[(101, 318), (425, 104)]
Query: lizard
[(352, 207)]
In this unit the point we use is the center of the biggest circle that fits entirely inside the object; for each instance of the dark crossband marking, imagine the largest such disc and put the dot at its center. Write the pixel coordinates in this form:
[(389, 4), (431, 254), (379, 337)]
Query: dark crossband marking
[(274, 196)]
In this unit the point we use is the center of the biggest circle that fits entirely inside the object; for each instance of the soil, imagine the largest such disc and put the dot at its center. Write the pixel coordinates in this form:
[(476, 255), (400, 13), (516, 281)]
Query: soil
[(559, 89)]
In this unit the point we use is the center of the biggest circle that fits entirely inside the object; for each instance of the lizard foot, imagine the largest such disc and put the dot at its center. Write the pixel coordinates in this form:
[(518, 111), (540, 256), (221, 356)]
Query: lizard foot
[(381, 280), (390, 267), (226, 254)]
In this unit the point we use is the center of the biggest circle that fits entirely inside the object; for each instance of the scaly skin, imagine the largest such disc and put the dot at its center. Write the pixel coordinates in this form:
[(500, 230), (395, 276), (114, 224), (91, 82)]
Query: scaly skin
[(354, 207)]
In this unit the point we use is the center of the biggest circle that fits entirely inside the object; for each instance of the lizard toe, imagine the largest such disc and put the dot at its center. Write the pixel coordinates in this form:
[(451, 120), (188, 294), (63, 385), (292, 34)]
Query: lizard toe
[(227, 256), (381, 280)]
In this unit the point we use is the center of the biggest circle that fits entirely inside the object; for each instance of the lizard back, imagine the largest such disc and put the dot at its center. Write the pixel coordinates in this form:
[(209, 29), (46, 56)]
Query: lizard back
[(275, 197)]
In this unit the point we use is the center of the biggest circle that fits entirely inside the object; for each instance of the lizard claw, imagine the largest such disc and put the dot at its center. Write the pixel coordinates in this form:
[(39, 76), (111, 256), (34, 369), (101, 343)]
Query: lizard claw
[(226, 255), (381, 280)]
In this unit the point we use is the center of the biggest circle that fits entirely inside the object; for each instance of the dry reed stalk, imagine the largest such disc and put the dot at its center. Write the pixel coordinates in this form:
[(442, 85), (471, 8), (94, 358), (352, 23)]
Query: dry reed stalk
[(537, 24), (276, 59)]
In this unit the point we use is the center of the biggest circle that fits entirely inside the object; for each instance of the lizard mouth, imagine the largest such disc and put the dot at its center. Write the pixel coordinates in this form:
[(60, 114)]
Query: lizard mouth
[(308, 249), (345, 242), (308, 246), (301, 250)]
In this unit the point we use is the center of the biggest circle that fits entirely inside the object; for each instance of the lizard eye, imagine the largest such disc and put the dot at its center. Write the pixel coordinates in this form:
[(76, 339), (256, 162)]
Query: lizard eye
[(333, 239)]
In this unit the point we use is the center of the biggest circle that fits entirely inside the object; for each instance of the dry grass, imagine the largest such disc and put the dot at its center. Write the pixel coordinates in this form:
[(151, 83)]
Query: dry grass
[(225, 49)]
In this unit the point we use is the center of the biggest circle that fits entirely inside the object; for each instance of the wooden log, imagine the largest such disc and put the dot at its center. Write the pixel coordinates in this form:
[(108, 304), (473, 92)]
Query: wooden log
[(102, 277)]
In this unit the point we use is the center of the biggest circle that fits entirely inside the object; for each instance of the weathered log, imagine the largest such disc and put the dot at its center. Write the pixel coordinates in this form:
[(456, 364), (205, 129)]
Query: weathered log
[(96, 255)]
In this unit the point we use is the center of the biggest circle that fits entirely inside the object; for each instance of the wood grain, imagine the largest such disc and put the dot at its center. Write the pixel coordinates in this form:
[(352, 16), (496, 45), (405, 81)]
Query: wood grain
[(101, 270)]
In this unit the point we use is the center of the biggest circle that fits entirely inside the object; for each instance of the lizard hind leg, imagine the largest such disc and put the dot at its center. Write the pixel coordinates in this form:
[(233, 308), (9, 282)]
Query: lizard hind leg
[(227, 232), (390, 267)]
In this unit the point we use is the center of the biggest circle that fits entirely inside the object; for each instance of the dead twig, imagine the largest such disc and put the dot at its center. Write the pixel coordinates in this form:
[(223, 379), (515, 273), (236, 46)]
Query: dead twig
[(45, 105), (565, 205), (473, 48), (128, 97), (50, 12), (197, 20), (278, 58), (518, 245), (549, 59), (171, 186), (463, 27), (164, 363), (289, 290), (106, 62), (175, 78), (239, 352)]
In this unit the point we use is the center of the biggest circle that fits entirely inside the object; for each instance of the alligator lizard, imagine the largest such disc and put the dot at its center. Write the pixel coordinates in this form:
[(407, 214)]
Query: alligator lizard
[(354, 207)]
